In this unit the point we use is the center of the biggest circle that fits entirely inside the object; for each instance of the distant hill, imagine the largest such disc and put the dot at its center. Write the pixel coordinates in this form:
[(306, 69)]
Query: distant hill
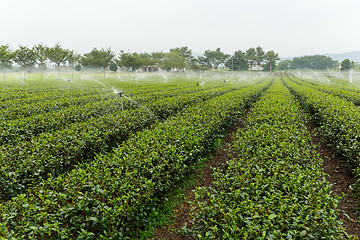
[(352, 56)]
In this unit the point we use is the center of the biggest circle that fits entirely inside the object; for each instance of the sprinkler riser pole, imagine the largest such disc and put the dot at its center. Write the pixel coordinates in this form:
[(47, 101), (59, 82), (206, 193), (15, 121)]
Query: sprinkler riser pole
[(121, 99)]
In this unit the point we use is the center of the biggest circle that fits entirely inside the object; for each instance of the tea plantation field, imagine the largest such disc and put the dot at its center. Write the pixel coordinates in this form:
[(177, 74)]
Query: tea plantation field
[(95, 158)]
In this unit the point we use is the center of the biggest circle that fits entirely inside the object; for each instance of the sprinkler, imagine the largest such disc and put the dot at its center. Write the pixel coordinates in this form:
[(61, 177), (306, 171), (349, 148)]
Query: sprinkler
[(225, 82), (197, 87), (122, 105), (69, 83)]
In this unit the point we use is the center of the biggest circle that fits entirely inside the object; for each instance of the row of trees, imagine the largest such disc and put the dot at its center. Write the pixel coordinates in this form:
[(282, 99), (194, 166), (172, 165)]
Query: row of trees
[(316, 62), (177, 59), (38, 55)]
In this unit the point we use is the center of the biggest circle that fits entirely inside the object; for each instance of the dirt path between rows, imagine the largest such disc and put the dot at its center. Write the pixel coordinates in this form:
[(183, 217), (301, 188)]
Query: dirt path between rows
[(341, 178), (205, 179), (339, 175)]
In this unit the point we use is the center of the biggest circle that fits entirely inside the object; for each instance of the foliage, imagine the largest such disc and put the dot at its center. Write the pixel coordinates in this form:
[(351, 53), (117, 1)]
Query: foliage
[(25, 57), (271, 57), (339, 120), (78, 67), (213, 59), (345, 65), (97, 126), (284, 65), (250, 56), (113, 67), (129, 61), (260, 55), (111, 196), (57, 54), (273, 187), (73, 58), (237, 61), (173, 60), (6, 57), (98, 58), (317, 62)]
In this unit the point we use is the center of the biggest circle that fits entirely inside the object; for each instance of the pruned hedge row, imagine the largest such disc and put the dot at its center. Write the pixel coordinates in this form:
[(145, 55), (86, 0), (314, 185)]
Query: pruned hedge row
[(41, 104), (26, 127), (105, 199), (339, 119), (26, 163), (352, 96), (274, 188)]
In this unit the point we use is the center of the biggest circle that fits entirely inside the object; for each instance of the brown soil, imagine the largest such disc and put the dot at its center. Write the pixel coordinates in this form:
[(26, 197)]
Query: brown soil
[(341, 178), (182, 211)]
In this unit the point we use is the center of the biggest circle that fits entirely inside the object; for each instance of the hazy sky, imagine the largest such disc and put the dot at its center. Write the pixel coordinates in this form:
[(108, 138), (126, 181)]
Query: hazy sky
[(289, 27)]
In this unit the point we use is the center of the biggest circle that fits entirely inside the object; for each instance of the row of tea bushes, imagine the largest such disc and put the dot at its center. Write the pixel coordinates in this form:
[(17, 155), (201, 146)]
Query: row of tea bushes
[(339, 120), (25, 163), (352, 96), (25, 128), (105, 199), (17, 96), (17, 109), (47, 102), (274, 188)]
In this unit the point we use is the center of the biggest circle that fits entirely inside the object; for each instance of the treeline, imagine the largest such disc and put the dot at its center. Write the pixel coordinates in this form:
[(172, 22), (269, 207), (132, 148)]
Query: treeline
[(316, 62), (177, 59)]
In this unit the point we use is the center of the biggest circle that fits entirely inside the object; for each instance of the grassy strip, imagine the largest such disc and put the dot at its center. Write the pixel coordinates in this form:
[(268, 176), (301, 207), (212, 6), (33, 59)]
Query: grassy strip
[(106, 198), (275, 188)]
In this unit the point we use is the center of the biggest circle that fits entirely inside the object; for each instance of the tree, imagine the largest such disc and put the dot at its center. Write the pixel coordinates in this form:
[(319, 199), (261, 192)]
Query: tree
[(157, 58), (78, 67), (25, 57), (129, 61), (58, 55), (213, 59), (185, 53), (6, 57), (145, 61), (284, 65), (113, 67), (173, 61), (42, 55), (260, 55), (271, 57), (237, 61), (250, 56), (98, 58), (345, 65), (73, 58), (316, 62)]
